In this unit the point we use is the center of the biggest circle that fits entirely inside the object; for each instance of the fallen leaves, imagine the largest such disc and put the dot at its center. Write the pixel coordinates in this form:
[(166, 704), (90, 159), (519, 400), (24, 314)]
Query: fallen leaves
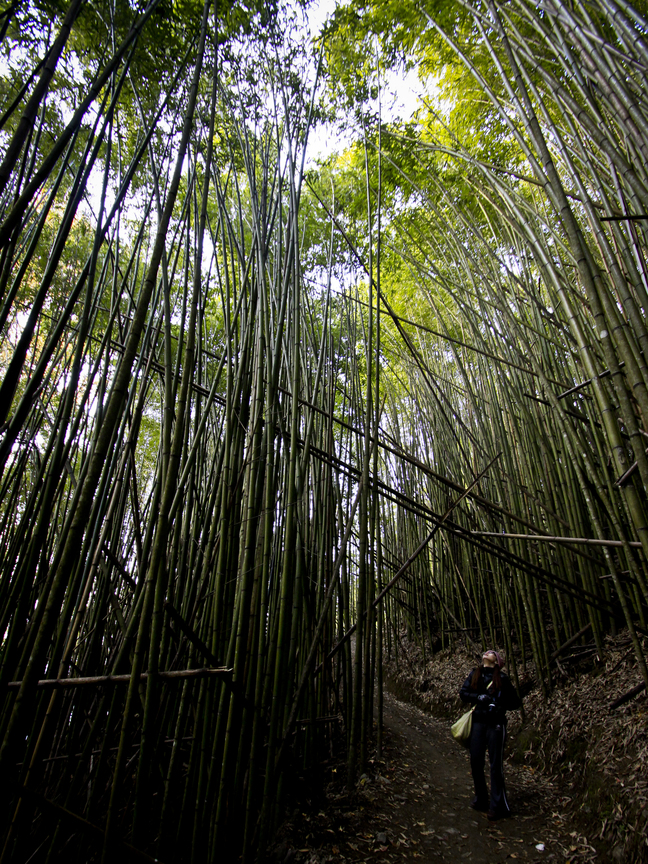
[(385, 818), (594, 758)]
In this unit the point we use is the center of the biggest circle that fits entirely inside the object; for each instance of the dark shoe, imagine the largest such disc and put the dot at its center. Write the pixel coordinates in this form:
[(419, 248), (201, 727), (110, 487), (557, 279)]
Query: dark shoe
[(494, 815), (476, 804)]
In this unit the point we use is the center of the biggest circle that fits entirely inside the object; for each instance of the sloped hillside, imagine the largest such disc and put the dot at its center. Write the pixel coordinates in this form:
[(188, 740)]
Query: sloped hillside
[(599, 753)]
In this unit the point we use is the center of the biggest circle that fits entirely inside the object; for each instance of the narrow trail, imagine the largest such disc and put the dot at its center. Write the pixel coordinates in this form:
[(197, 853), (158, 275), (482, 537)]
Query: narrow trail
[(414, 804), (435, 820)]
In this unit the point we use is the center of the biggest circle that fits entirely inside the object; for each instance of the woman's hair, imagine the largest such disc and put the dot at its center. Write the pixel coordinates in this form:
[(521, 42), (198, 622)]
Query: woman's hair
[(477, 674)]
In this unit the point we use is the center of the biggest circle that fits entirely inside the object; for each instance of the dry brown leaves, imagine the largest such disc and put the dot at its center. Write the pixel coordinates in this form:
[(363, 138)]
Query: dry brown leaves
[(365, 824), (583, 764), (597, 755)]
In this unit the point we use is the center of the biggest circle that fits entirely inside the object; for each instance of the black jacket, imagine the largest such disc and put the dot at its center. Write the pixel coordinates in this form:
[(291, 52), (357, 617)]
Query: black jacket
[(505, 699)]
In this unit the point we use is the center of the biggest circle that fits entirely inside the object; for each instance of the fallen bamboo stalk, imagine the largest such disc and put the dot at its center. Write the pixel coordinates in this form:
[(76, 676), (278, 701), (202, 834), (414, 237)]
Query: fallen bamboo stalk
[(420, 509), (190, 633), (197, 642), (628, 696), (135, 745), (622, 218), (333, 718), (589, 541), (447, 338), (628, 474), (580, 386), (411, 559), (533, 569), (581, 653), (497, 550), (569, 411), (400, 454), (569, 642), (181, 674)]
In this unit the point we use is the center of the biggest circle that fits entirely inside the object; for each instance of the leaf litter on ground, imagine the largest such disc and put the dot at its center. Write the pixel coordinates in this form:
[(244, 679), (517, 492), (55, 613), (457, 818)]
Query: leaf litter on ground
[(362, 824)]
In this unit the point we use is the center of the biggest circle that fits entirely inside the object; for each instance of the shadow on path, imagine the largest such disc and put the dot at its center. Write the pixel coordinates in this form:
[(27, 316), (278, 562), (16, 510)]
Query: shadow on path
[(414, 805)]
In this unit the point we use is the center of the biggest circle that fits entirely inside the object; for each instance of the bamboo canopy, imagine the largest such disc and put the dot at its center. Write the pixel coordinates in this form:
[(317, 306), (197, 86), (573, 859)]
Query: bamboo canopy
[(256, 417)]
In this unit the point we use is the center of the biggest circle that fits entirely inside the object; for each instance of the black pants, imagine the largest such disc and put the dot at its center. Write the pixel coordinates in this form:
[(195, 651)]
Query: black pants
[(489, 737)]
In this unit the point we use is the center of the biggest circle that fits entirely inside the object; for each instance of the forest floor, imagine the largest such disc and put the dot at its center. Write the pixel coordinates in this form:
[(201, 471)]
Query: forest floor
[(414, 802)]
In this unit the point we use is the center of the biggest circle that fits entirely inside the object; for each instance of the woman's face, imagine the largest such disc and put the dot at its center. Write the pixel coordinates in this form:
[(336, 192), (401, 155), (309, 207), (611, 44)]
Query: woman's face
[(488, 658)]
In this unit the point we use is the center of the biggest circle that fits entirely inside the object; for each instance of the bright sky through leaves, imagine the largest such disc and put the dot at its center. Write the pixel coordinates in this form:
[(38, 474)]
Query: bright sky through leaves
[(400, 95)]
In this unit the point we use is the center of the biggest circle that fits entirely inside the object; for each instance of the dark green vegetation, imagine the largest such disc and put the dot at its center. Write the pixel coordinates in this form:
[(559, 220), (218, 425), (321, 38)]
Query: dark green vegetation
[(238, 396)]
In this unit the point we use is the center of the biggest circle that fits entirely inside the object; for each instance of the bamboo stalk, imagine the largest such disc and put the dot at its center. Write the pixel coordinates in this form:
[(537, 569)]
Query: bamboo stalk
[(592, 541)]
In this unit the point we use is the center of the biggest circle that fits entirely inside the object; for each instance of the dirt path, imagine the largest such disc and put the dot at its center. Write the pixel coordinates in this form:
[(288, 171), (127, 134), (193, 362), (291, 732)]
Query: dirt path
[(439, 818), (414, 804)]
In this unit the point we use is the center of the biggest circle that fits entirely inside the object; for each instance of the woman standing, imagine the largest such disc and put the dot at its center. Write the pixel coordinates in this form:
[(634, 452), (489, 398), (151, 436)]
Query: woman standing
[(492, 694)]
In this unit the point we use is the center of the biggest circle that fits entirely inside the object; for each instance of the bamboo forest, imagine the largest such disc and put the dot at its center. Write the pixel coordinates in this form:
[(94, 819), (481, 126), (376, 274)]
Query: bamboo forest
[(291, 373)]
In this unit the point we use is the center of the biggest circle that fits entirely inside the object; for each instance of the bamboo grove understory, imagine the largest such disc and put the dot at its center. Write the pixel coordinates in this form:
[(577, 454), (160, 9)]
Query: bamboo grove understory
[(229, 476)]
